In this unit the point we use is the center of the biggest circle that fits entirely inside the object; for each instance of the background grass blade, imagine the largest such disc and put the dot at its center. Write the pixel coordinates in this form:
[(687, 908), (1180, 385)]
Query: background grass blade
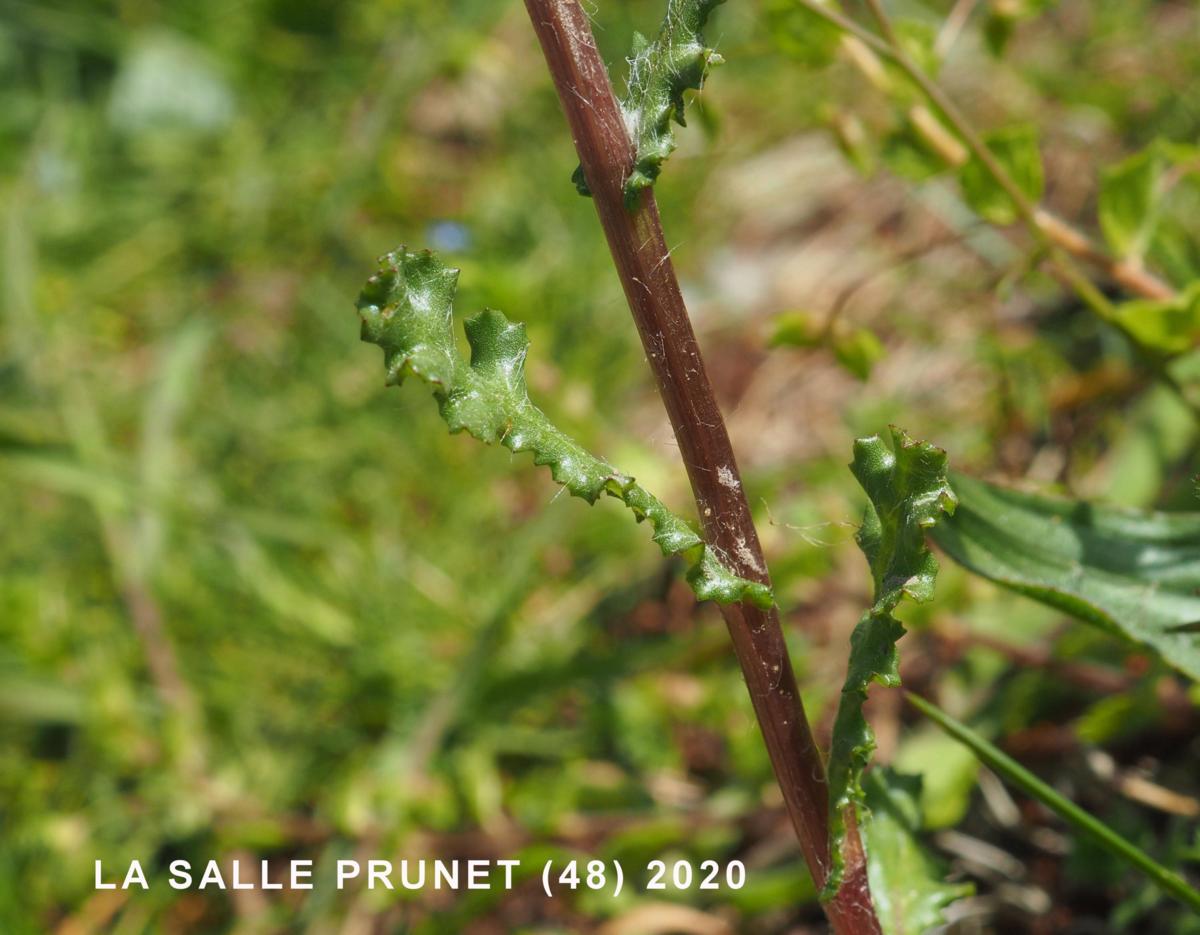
[(1169, 881)]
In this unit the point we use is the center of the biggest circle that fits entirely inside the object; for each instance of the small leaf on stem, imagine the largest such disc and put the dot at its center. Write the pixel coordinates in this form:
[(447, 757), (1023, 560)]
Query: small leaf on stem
[(908, 492)]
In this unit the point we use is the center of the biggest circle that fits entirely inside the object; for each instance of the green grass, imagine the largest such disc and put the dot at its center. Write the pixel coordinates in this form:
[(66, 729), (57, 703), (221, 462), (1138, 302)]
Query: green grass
[(386, 634)]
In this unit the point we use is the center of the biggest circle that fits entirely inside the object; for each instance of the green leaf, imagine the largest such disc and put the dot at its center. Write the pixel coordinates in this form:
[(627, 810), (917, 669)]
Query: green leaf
[(797, 329), (166, 81), (1016, 149), (1084, 822), (407, 309), (289, 599), (907, 883), (1130, 193), (801, 34), (660, 71), (1168, 326), (997, 31), (1122, 716), (949, 774), (910, 153), (856, 349), (908, 491), (918, 38), (1133, 573)]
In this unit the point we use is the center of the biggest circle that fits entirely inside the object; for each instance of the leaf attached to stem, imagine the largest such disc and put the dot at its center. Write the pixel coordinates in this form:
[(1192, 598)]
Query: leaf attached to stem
[(407, 309)]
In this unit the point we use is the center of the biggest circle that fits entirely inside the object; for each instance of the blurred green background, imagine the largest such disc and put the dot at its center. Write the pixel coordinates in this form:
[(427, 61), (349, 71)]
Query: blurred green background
[(253, 604)]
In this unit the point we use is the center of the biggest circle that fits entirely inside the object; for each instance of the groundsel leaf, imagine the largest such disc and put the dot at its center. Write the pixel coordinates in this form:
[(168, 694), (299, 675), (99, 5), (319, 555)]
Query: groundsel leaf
[(908, 492), (907, 885), (660, 71), (407, 309), (1133, 573)]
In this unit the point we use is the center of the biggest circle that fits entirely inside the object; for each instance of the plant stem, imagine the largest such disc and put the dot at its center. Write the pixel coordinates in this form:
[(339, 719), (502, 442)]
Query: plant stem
[(1026, 210), (1167, 880), (1048, 237), (1059, 239), (643, 263)]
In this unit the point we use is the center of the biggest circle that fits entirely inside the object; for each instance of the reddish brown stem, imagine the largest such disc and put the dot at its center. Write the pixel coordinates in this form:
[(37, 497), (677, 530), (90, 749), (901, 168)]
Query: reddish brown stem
[(643, 262)]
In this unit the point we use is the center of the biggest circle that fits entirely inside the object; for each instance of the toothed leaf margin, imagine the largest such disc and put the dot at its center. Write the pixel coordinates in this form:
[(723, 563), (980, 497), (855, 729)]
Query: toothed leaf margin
[(407, 309), (908, 490)]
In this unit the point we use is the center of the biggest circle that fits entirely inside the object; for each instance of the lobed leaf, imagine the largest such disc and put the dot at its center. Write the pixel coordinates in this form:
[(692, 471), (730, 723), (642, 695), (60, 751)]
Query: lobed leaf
[(908, 492), (660, 71), (407, 309), (907, 882), (1133, 573)]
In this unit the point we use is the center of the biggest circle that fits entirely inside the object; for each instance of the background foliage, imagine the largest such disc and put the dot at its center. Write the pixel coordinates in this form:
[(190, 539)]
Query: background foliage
[(250, 604)]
